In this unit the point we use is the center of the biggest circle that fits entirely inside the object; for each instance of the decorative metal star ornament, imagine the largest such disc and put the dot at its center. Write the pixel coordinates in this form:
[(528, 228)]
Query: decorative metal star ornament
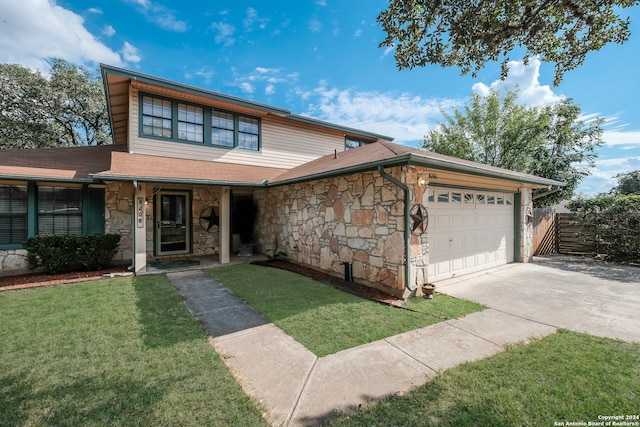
[(209, 215), (419, 218)]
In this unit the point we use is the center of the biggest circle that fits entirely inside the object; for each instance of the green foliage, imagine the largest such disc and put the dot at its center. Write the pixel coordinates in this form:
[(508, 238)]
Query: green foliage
[(628, 183), (548, 141), (468, 34), (66, 109), (59, 253), (615, 221)]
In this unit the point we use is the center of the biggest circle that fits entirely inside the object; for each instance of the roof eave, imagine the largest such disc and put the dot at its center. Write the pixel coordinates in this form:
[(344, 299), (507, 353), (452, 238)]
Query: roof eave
[(417, 160), (43, 178), (108, 69), (130, 178), (480, 170)]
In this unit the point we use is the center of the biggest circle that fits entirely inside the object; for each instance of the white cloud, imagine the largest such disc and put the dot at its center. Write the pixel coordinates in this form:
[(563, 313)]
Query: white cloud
[(358, 33), (162, 16), (622, 139), (53, 31), (315, 26), (130, 53), (108, 31), (525, 77), (246, 87), (321, 2), (405, 117), (602, 178), (263, 76), (224, 33), (253, 20), (95, 10)]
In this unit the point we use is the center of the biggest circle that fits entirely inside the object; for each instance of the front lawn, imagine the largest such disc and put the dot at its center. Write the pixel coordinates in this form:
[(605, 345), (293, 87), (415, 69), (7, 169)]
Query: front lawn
[(565, 377), (326, 320), (124, 351)]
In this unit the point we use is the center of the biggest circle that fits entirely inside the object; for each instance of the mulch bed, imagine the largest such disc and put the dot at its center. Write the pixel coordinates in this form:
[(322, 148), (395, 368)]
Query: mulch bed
[(336, 282)]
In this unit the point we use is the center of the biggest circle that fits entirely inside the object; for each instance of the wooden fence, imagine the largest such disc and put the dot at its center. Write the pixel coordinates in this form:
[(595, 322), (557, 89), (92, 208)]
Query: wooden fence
[(558, 233)]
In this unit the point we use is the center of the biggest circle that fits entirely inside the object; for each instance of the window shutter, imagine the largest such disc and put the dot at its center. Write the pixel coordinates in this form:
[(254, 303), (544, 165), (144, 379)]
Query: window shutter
[(95, 211)]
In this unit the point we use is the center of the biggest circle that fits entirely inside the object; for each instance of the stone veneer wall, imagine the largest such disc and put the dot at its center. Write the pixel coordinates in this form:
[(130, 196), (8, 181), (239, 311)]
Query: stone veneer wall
[(356, 218), (205, 242), (526, 248), (117, 216), (14, 260)]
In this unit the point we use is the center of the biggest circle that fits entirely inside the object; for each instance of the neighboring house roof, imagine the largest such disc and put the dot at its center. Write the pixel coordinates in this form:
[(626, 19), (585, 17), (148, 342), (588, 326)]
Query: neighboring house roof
[(116, 83), (112, 162), (388, 154)]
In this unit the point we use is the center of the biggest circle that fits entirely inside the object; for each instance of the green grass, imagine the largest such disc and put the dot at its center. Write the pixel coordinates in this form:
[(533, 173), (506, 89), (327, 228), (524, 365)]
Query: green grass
[(326, 320), (124, 351), (564, 377)]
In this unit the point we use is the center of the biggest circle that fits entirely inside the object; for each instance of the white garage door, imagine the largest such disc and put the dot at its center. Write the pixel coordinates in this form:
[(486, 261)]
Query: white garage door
[(468, 231)]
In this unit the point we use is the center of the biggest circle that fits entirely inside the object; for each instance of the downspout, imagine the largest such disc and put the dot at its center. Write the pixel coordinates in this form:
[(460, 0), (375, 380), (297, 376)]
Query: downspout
[(132, 267), (407, 227)]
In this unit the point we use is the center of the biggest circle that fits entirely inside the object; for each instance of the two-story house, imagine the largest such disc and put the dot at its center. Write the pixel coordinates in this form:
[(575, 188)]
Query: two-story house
[(191, 172)]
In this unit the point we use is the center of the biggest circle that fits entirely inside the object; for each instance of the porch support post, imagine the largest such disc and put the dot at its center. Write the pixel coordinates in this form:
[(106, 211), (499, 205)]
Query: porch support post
[(225, 225), (140, 228)]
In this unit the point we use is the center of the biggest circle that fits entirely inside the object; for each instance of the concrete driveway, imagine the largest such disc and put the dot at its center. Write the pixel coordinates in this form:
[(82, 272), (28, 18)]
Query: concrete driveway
[(574, 293)]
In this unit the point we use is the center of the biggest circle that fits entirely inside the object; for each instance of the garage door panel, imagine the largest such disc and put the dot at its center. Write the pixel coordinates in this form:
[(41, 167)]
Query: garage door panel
[(469, 236)]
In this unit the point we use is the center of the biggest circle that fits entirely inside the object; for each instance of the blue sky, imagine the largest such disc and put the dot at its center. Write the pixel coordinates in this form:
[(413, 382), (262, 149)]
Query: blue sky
[(318, 58)]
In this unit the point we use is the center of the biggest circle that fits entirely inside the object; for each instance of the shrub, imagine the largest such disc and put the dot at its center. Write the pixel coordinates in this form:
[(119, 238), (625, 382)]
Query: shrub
[(615, 220), (59, 253)]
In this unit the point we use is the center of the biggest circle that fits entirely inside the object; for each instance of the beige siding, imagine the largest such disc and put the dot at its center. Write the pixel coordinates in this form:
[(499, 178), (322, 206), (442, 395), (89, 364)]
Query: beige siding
[(285, 144)]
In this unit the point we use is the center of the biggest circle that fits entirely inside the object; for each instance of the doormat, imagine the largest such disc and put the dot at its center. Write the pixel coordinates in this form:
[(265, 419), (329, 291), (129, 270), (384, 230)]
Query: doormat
[(174, 264)]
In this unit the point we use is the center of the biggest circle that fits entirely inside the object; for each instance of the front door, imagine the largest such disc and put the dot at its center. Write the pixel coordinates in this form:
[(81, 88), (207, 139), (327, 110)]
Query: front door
[(173, 222)]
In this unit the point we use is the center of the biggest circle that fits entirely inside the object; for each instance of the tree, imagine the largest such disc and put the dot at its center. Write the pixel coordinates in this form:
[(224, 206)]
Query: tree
[(66, 109), (628, 183), (548, 141), (468, 34)]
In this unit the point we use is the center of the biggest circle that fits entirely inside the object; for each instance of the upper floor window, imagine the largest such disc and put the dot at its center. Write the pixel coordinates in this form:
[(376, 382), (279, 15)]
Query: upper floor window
[(13, 214), (248, 133), (157, 117), (222, 128), (233, 130), (161, 116), (350, 143), (190, 123)]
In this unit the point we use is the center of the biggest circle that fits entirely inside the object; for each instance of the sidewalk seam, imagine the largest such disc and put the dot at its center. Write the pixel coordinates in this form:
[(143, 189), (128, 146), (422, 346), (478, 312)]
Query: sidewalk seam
[(401, 350), (302, 391)]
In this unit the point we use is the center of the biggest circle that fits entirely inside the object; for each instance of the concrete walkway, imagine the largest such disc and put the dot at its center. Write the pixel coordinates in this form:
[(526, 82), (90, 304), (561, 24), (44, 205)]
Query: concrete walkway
[(296, 388)]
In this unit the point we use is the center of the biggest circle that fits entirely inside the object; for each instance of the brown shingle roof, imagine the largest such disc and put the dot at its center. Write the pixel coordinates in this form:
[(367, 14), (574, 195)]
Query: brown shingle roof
[(383, 153), (112, 162), (65, 163), (146, 167)]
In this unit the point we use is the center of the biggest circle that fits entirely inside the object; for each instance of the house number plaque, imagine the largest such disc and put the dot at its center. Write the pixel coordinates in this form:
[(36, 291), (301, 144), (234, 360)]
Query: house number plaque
[(140, 212)]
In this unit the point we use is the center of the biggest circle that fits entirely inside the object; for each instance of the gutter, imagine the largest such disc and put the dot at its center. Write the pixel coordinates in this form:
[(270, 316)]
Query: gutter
[(550, 191), (407, 227), (126, 178)]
